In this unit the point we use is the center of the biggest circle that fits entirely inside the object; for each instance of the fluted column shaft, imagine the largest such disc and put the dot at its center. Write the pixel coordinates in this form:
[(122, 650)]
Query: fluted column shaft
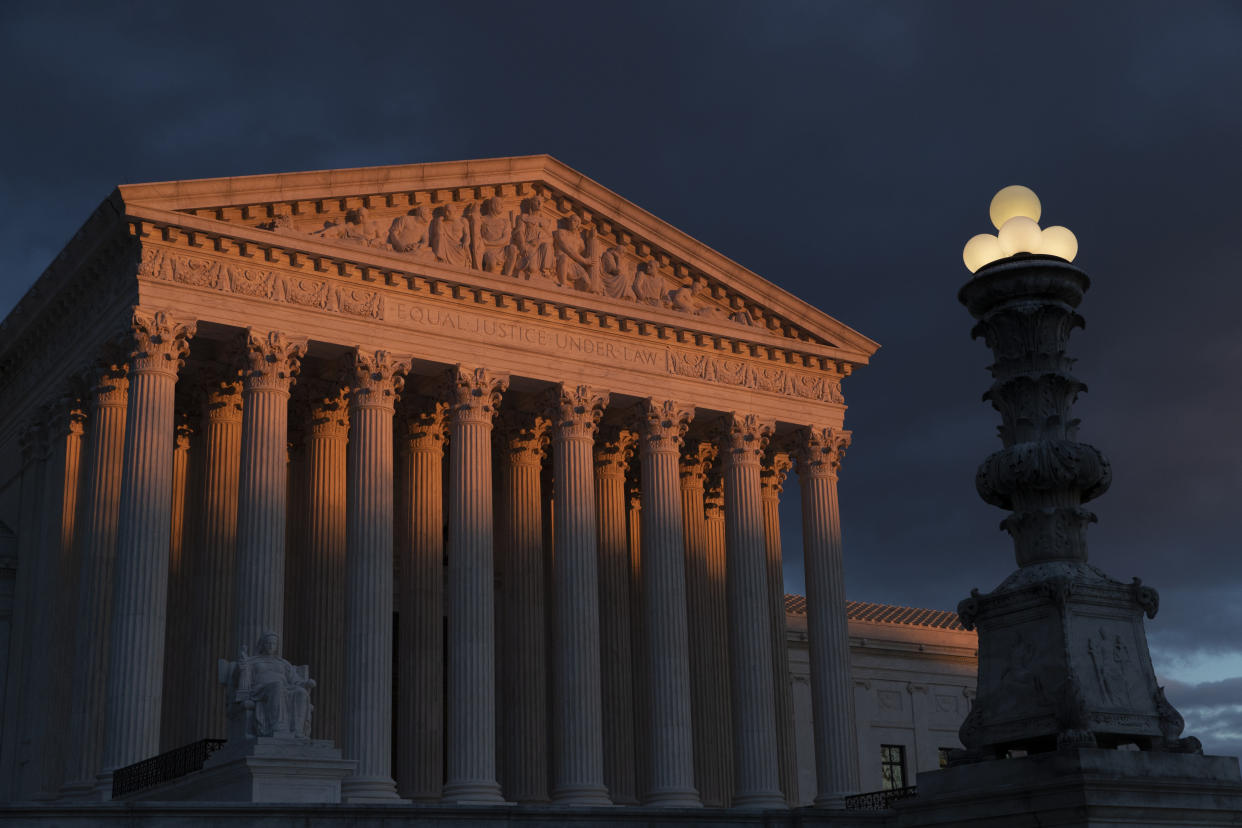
[(670, 745), (772, 481), (471, 615), (577, 731), (327, 435), (52, 635), (523, 439), (639, 684), (704, 685), (273, 362), (376, 379), (720, 718), (214, 564), (832, 699), (140, 588), (100, 511), (177, 649), (755, 760), (420, 719), (612, 453)]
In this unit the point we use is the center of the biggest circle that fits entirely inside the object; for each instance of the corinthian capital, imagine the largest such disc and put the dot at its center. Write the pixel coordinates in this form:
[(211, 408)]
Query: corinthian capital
[(427, 427), (272, 360), (377, 378), (327, 409), (820, 451), (695, 464), (713, 498), (772, 475), (744, 438), (613, 449), (111, 378), (523, 437), (161, 343), (475, 393), (663, 424), (575, 411)]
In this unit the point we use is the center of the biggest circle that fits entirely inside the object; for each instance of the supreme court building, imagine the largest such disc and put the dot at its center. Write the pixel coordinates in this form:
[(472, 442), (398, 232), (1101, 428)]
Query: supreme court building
[(543, 430)]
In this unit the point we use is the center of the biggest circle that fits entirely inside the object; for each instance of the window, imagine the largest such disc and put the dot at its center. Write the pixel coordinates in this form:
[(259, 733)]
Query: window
[(892, 767), (944, 756)]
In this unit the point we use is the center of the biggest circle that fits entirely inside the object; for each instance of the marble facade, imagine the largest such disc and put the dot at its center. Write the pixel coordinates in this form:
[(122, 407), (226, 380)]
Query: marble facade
[(492, 398)]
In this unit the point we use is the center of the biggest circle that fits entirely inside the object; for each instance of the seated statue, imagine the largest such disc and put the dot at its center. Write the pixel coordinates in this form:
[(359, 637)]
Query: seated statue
[(267, 696)]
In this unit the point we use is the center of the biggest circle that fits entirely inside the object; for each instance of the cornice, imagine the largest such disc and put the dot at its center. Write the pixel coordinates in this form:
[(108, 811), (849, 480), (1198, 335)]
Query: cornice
[(256, 197)]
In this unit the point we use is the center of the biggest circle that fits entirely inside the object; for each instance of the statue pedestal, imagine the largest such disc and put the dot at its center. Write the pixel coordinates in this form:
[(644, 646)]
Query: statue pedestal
[(1079, 787), (266, 769)]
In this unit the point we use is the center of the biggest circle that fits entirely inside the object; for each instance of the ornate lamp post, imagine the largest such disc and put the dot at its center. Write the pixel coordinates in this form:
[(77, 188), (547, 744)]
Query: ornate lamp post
[(1063, 659)]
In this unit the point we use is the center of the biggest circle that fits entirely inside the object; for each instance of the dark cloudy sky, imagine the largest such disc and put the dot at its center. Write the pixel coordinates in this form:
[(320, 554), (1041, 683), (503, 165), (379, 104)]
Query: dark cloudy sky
[(845, 151)]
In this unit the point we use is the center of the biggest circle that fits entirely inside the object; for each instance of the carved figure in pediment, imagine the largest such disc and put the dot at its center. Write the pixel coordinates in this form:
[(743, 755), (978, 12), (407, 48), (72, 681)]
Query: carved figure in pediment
[(616, 278), (648, 283), (411, 233), (743, 317), (358, 228), (570, 250), (281, 222), (491, 236), (532, 239), (450, 236)]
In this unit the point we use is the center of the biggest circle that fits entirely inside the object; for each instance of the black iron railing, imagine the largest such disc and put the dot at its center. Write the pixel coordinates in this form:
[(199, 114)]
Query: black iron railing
[(159, 769), (879, 800)]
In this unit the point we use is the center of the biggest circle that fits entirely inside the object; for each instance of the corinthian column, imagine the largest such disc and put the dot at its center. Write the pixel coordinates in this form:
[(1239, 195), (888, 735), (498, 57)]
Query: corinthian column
[(323, 600), (273, 362), (523, 438), (471, 678), (376, 379), (135, 676), (101, 504), (578, 754), (832, 702), (612, 455), (178, 652), (670, 746), (772, 481), (756, 769), (709, 771), (639, 684), (420, 718), (52, 636), (720, 710), (214, 567)]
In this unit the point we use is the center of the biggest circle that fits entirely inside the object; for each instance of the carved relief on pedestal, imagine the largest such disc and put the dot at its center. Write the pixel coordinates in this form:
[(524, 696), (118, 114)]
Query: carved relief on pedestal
[(273, 360)]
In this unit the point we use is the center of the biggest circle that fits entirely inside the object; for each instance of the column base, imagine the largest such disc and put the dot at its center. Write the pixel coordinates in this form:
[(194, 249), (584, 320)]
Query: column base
[(673, 798), (103, 785), (82, 790), (761, 800), (832, 801), (473, 793), (585, 795), (356, 789)]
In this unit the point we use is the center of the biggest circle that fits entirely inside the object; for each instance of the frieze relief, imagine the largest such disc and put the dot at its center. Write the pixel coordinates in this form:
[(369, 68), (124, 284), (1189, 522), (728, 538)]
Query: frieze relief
[(161, 264), (525, 238)]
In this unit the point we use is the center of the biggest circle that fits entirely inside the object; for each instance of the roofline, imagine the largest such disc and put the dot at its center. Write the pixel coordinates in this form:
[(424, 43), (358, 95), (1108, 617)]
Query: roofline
[(357, 181)]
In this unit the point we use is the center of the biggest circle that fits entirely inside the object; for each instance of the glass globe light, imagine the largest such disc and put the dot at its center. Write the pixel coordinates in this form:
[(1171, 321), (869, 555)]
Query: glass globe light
[(981, 250), (1059, 241), (1020, 235), (1014, 200)]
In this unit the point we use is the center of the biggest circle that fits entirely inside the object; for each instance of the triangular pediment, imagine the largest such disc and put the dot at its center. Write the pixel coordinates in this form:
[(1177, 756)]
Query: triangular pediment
[(530, 219)]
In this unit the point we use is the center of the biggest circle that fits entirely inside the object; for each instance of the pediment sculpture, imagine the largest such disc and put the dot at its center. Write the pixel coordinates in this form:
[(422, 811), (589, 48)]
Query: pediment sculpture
[(523, 239), (266, 695)]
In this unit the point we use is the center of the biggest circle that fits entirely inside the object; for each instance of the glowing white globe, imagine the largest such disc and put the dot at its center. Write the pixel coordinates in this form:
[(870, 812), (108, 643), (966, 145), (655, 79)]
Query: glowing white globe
[(1059, 241), (981, 250), (1020, 235), (1014, 200)]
